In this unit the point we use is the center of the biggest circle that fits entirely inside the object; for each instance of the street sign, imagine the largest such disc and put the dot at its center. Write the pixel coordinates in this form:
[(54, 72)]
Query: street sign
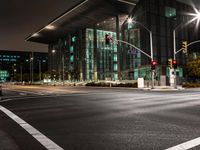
[(132, 51)]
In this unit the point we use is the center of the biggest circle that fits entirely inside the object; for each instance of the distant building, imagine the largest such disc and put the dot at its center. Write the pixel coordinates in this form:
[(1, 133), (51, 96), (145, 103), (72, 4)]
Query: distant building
[(19, 65)]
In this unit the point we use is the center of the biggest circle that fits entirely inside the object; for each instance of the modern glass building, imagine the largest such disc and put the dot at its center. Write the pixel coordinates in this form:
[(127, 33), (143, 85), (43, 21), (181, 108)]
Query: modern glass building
[(77, 47)]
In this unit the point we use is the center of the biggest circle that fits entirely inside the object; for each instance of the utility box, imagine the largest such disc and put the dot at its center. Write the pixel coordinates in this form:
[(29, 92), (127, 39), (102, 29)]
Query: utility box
[(171, 77), (140, 82), (162, 80)]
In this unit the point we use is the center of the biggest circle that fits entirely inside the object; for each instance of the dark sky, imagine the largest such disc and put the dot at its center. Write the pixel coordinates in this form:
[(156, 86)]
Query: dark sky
[(20, 18)]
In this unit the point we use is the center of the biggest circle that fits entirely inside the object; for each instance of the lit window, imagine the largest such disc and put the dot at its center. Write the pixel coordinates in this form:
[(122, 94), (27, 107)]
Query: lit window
[(72, 58), (73, 39), (71, 49), (115, 57), (115, 67), (170, 12)]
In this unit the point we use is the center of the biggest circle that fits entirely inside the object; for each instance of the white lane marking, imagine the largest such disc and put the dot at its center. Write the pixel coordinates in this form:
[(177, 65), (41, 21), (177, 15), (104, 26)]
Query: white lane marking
[(27, 92), (45, 141), (187, 145), (22, 93)]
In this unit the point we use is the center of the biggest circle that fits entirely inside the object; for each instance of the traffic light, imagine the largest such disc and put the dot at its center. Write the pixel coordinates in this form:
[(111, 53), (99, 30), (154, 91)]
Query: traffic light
[(170, 63), (107, 39), (174, 63), (153, 64), (184, 46)]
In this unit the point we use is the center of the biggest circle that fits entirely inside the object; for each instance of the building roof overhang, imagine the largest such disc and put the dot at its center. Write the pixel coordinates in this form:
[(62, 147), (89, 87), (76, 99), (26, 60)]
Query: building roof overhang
[(84, 14)]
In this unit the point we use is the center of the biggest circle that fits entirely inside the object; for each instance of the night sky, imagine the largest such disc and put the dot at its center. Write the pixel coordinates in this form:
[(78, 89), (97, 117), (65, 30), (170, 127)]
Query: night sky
[(20, 18)]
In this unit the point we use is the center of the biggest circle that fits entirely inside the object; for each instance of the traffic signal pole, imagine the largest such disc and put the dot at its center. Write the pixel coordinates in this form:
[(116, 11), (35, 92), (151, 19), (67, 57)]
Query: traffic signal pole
[(174, 37), (150, 56), (151, 47)]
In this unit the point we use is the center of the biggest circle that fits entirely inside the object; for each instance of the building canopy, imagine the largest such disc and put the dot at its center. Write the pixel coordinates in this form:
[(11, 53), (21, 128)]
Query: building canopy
[(84, 14)]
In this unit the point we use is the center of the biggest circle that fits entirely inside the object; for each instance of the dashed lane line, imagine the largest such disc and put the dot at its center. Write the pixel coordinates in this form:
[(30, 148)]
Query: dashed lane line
[(41, 138), (187, 145)]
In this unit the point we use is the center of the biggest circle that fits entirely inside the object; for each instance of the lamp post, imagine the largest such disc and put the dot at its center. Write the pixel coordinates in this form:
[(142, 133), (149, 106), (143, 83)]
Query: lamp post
[(40, 76), (53, 52), (196, 17), (21, 72), (31, 69), (130, 20), (63, 69)]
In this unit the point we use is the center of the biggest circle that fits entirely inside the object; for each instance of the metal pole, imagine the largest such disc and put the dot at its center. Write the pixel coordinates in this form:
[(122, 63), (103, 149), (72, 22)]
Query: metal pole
[(174, 37), (151, 47), (32, 68), (21, 72), (63, 69), (40, 70)]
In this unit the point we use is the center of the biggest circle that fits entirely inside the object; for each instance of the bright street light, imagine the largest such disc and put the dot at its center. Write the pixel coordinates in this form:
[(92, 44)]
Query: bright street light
[(130, 20), (53, 51)]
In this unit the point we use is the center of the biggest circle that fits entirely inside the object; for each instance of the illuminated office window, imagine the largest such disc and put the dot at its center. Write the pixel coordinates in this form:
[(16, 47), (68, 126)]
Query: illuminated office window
[(170, 12)]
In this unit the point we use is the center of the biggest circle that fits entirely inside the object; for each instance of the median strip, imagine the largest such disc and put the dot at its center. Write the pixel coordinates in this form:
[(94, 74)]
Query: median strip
[(45, 141)]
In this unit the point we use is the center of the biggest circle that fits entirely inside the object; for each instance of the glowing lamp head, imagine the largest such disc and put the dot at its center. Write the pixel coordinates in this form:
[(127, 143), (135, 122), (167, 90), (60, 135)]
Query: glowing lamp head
[(53, 51), (130, 20), (198, 15)]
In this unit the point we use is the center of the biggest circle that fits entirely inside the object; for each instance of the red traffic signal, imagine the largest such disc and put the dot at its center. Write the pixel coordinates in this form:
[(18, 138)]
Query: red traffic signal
[(174, 64), (153, 64), (107, 39)]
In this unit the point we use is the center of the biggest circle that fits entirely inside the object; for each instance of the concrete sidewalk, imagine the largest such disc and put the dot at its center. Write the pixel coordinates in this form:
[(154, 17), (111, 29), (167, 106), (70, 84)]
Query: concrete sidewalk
[(164, 88)]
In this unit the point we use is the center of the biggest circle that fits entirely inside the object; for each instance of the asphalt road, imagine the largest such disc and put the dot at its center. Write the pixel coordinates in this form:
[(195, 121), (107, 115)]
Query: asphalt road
[(102, 119)]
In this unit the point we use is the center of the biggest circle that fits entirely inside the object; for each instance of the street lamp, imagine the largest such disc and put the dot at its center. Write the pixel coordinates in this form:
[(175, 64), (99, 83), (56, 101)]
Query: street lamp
[(131, 20), (31, 69), (196, 16), (53, 51), (40, 77), (21, 72), (52, 65)]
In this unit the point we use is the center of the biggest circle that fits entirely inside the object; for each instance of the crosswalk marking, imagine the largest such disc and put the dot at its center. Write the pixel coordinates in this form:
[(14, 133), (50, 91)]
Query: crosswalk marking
[(45, 141)]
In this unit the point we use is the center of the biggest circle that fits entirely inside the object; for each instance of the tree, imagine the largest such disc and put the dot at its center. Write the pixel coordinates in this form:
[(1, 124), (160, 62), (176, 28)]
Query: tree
[(193, 68)]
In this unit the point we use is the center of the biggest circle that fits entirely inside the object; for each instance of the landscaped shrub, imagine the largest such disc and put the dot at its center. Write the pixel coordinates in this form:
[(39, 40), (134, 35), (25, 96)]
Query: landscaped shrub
[(103, 84), (191, 85)]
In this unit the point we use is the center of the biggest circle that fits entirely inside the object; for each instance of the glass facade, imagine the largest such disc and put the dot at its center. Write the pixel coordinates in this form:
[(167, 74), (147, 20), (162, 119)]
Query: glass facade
[(107, 56), (89, 54), (159, 17), (88, 57)]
